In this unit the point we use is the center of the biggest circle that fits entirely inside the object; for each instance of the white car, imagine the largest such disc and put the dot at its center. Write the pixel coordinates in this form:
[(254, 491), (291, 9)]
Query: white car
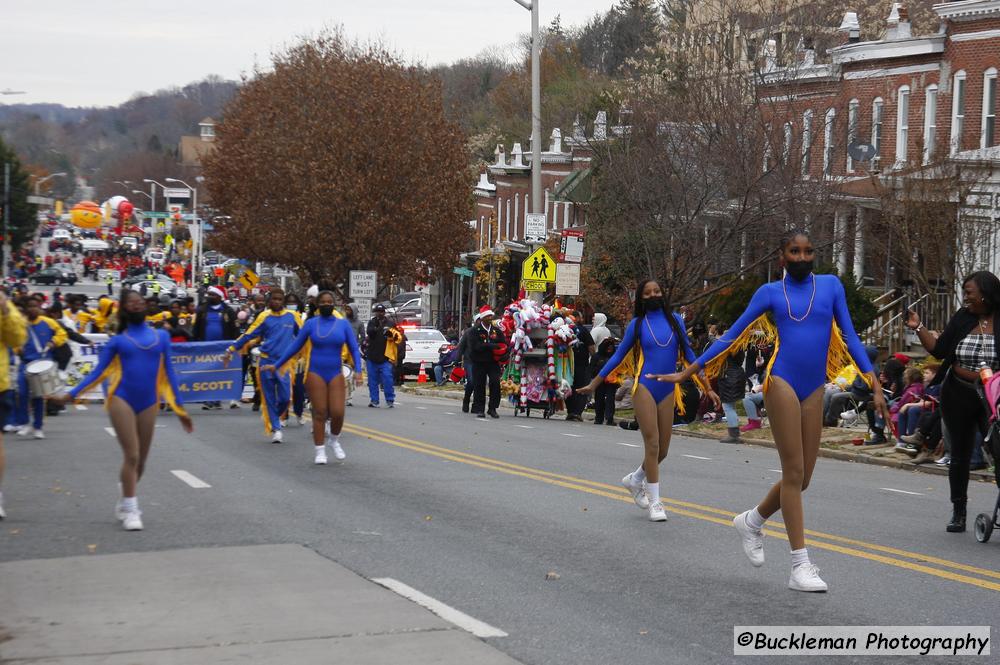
[(422, 344), (61, 234)]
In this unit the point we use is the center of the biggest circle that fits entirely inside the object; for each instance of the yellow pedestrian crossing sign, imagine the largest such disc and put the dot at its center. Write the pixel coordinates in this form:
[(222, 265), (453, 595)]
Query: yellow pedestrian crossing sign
[(539, 267)]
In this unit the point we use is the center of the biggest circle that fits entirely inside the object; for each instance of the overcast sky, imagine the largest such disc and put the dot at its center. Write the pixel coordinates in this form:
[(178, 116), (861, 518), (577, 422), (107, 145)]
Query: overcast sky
[(101, 52)]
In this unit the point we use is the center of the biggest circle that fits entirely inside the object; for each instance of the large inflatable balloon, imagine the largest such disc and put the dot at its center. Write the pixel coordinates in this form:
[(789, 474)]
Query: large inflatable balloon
[(86, 215), (125, 209)]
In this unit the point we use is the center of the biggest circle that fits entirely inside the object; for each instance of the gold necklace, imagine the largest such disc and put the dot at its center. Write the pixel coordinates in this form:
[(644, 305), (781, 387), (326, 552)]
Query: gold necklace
[(653, 335), (328, 332), (789, 302)]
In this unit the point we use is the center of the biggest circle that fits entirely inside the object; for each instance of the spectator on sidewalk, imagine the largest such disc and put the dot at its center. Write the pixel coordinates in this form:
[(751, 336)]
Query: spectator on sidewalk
[(465, 356), (215, 321), (582, 350), (381, 355), (604, 396), (732, 389), (13, 334)]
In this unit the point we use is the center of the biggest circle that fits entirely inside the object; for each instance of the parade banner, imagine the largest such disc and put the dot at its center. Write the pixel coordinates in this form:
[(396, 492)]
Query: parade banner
[(198, 365)]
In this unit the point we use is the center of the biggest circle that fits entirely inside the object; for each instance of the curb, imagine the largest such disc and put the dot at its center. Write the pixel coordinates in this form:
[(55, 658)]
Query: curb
[(843, 455)]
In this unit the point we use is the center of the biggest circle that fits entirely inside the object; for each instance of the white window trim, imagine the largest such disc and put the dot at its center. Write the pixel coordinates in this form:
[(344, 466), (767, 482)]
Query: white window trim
[(931, 92), (853, 116), (955, 131), (786, 148), (902, 123), (767, 148), (877, 103), (988, 75), (807, 119), (829, 119)]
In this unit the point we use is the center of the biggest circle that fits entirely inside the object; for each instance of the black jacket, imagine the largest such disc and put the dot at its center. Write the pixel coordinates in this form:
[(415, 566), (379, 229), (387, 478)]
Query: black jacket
[(376, 339), (230, 329), (959, 326), (465, 346), (483, 342), (733, 381)]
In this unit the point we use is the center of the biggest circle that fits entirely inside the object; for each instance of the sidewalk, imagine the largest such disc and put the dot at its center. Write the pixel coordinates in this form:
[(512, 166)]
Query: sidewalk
[(256, 604), (837, 443)]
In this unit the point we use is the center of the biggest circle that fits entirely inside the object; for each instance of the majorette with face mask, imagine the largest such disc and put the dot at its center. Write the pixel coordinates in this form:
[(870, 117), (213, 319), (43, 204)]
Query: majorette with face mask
[(814, 339)]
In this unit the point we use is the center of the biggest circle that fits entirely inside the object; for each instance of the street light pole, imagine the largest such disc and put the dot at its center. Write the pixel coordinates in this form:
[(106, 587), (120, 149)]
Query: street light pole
[(152, 197), (536, 108), (196, 236), (39, 181)]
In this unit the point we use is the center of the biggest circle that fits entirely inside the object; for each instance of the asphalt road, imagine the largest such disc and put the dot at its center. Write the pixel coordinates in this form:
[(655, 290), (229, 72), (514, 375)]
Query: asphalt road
[(477, 514)]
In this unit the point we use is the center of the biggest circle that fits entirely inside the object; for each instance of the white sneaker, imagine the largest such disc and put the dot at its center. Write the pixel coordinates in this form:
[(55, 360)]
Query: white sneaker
[(10, 428), (350, 403), (277, 437), (27, 430), (120, 512), (320, 455), (38, 434), (944, 461), (637, 490), (338, 452), (3, 513), (806, 578), (300, 421), (132, 521), (656, 512), (753, 539)]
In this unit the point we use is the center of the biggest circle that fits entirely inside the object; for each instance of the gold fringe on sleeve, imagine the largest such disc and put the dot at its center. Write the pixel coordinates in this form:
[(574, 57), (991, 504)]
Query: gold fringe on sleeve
[(839, 357), (749, 337)]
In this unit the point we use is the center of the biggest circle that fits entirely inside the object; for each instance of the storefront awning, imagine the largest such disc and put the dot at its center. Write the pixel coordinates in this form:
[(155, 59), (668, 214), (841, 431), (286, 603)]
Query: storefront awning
[(575, 188)]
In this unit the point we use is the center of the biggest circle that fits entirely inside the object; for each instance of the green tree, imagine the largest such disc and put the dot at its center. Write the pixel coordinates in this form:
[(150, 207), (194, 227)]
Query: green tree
[(23, 218)]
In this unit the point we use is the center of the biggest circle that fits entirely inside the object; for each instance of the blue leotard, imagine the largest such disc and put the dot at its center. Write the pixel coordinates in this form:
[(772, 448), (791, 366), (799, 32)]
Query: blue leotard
[(326, 336), (136, 363), (657, 352), (803, 346)]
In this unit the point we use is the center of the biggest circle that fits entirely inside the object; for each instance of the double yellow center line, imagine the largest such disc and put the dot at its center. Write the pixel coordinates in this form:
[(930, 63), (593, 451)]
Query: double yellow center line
[(890, 556)]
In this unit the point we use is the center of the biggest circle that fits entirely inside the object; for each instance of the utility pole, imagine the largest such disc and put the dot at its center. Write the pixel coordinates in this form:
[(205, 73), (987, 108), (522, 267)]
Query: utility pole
[(6, 215), (536, 109)]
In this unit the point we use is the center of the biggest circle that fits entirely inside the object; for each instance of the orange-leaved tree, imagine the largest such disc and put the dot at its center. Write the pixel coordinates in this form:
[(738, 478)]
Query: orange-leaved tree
[(339, 158)]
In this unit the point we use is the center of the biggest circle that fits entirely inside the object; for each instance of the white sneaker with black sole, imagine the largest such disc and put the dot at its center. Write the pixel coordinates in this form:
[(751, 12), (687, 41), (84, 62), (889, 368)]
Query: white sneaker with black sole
[(637, 489), (320, 455), (806, 578), (277, 437), (656, 512), (132, 521), (753, 539), (3, 513)]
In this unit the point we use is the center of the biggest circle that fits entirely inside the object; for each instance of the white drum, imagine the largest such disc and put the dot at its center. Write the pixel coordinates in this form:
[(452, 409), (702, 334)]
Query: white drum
[(43, 378)]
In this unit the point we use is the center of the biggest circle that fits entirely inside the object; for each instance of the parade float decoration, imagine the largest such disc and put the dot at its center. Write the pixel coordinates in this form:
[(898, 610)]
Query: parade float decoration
[(86, 215), (539, 372), (119, 209)]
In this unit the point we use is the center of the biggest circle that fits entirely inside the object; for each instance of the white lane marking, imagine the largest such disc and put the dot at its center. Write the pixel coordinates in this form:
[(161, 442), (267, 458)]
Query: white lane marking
[(776, 470), (190, 479), (446, 612), (630, 445), (450, 413), (422, 408), (578, 436), (696, 457), (110, 431), (526, 427), (890, 489), (81, 407)]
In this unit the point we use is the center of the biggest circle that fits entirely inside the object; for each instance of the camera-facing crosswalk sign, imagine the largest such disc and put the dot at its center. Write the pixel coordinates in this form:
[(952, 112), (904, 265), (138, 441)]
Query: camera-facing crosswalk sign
[(539, 267)]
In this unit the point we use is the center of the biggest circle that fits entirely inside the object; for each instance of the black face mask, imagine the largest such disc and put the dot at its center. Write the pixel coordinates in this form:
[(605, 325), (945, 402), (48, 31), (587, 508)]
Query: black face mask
[(799, 270), (325, 310), (652, 304), (135, 317)]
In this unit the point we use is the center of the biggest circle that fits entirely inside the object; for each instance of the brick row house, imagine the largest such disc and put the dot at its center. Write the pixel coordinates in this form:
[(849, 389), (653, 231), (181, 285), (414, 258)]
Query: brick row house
[(926, 104)]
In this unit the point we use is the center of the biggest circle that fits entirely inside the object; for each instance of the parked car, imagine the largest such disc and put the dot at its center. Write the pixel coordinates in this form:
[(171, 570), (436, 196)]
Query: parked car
[(407, 312), (422, 344), (53, 275), (61, 234), (142, 277), (168, 288), (399, 299)]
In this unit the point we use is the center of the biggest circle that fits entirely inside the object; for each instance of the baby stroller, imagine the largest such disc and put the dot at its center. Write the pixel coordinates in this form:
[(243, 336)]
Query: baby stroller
[(985, 523)]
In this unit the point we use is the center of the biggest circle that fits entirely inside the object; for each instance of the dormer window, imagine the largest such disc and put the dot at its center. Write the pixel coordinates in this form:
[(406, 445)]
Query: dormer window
[(207, 127)]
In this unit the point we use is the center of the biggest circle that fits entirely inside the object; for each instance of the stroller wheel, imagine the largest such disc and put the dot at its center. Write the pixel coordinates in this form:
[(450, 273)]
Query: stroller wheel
[(984, 527)]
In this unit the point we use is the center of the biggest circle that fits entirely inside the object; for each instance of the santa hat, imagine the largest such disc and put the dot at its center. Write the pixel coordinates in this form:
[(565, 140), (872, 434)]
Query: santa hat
[(485, 311), (901, 358), (217, 291)]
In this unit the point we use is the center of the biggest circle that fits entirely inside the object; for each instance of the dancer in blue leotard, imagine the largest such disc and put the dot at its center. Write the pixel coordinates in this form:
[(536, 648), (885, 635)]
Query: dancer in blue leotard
[(324, 338), (815, 339), (136, 365), (653, 342)]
